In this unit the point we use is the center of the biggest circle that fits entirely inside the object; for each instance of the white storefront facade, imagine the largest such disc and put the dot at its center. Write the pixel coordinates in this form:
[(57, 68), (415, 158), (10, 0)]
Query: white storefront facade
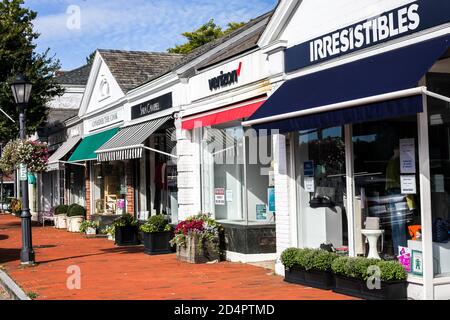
[(360, 104)]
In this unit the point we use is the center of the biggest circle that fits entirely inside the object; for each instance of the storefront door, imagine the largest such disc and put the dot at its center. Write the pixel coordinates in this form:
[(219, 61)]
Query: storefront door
[(321, 181)]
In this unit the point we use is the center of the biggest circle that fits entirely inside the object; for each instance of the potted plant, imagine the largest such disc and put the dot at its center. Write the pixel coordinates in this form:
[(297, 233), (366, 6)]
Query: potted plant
[(89, 227), (61, 217), (15, 206), (126, 231), (197, 239), (110, 232), (75, 216), (156, 235), (309, 267), (370, 279)]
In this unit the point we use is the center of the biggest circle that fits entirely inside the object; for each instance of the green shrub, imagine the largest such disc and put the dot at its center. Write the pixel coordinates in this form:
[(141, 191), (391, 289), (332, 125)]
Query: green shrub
[(289, 257), (61, 209), (362, 267), (155, 224), (339, 266), (322, 260), (125, 220), (88, 224), (392, 271), (76, 210)]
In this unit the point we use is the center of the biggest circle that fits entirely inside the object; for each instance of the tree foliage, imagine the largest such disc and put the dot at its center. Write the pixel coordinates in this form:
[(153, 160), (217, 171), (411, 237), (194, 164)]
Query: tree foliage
[(18, 56), (208, 32)]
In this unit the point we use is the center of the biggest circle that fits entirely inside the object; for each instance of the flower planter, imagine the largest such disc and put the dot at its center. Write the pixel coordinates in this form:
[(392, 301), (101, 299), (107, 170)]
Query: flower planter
[(348, 286), (195, 252), (157, 243), (396, 290), (61, 221), (111, 237), (127, 236), (315, 279), (74, 223), (91, 231)]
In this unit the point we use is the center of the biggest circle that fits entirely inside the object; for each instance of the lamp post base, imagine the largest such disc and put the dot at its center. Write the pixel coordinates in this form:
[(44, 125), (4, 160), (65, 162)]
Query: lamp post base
[(27, 252)]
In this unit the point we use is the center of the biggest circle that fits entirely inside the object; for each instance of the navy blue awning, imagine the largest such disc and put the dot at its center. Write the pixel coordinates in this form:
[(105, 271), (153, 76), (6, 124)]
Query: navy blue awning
[(392, 71)]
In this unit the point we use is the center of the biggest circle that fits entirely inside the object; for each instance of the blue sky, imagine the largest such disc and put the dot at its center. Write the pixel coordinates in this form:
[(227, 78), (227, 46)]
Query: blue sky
[(74, 28)]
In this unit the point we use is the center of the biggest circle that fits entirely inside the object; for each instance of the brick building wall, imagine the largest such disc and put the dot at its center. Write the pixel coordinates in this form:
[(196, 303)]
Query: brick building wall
[(130, 187)]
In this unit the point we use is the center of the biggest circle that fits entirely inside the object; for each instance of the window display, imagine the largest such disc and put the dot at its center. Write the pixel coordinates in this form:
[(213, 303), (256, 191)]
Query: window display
[(110, 189), (387, 185), (237, 175)]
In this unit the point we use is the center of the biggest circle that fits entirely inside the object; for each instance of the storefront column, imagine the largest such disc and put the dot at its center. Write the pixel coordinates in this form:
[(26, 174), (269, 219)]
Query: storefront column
[(425, 200), (130, 187), (350, 175), (283, 225)]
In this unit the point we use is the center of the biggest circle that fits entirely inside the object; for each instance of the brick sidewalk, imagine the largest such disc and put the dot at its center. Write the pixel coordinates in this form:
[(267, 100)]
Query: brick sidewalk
[(109, 272)]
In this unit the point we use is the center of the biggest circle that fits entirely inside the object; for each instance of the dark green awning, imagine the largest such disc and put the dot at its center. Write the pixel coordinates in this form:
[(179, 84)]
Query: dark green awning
[(86, 149)]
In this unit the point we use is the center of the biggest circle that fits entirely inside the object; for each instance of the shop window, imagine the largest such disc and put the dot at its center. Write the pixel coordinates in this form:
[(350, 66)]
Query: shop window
[(110, 189), (237, 175), (321, 181), (439, 141), (76, 184), (387, 189)]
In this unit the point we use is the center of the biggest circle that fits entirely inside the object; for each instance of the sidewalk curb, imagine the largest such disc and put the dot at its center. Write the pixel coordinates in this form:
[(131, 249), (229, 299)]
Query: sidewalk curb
[(12, 288)]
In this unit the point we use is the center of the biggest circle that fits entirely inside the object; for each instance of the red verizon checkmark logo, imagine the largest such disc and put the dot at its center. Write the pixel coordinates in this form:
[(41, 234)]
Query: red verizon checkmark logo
[(225, 79)]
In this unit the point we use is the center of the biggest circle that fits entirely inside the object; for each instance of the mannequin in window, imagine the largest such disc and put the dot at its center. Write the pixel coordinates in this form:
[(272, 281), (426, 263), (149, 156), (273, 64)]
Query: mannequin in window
[(160, 182)]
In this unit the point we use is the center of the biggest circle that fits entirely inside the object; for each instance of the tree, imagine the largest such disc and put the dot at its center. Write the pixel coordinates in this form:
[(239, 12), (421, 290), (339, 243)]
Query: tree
[(18, 56), (90, 58), (208, 32)]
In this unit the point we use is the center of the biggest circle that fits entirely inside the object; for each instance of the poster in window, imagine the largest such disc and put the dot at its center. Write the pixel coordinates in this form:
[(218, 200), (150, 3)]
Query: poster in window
[(405, 258), (408, 184), (407, 156), (308, 169), (229, 195), (261, 212), (417, 263), (310, 185), (219, 196)]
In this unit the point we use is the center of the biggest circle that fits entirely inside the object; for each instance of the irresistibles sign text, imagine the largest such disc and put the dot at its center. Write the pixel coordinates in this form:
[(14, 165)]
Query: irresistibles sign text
[(405, 20)]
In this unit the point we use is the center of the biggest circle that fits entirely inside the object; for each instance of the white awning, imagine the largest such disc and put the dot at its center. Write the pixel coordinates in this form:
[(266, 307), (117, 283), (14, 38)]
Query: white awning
[(128, 143), (55, 160)]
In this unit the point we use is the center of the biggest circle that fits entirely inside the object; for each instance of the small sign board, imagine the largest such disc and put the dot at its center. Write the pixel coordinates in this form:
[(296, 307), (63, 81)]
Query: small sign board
[(23, 172), (408, 184), (219, 196)]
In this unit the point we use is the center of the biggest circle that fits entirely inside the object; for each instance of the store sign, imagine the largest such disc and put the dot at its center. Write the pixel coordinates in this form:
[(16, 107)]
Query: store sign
[(104, 121), (408, 184), (219, 196), (408, 156), (415, 17), (152, 106), (225, 79), (23, 172)]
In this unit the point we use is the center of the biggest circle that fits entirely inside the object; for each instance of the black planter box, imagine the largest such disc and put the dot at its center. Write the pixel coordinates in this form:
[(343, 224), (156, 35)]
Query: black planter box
[(358, 288), (315, 279), (347, 286), (389, 291), (157, 243), (127, 236)]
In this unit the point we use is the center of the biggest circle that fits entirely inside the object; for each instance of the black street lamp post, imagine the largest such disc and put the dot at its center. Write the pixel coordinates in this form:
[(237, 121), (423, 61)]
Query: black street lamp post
[(21, 89)]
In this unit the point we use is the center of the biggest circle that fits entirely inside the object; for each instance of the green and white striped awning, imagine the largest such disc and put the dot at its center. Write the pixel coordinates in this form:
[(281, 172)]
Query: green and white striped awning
[(128, 143)]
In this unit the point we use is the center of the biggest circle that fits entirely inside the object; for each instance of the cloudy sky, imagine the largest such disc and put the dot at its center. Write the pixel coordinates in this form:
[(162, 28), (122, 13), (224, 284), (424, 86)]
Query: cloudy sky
[(74, 28)]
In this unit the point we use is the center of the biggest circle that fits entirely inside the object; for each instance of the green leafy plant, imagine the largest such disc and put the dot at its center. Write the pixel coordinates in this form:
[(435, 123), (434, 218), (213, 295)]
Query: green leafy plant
[(61, 209), (85, 225), (110, 230), (392, 271), (322, 260), (15, 205), (289, 257), (155, 224), (358, 268), (32, 295), (125, 220), (75, 210)]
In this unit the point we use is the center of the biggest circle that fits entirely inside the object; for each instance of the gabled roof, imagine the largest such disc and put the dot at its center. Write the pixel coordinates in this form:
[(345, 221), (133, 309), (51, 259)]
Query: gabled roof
[(244, 44), (131, 68), (77, 76)]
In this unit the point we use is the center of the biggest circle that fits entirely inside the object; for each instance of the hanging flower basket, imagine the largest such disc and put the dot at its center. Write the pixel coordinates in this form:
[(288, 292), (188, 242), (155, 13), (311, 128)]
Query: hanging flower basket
[(33, 154)]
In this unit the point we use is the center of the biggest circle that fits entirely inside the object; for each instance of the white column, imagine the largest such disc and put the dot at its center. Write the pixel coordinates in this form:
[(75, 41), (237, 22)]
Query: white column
[(425, 201), (283, 226)]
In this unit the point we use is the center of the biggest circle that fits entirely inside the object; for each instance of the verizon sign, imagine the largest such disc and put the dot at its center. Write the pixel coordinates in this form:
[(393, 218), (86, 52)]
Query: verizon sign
[(225, 79)]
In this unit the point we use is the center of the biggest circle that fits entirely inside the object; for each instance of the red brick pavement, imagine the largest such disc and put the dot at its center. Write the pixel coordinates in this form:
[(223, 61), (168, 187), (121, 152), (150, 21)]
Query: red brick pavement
[(112, 273)]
